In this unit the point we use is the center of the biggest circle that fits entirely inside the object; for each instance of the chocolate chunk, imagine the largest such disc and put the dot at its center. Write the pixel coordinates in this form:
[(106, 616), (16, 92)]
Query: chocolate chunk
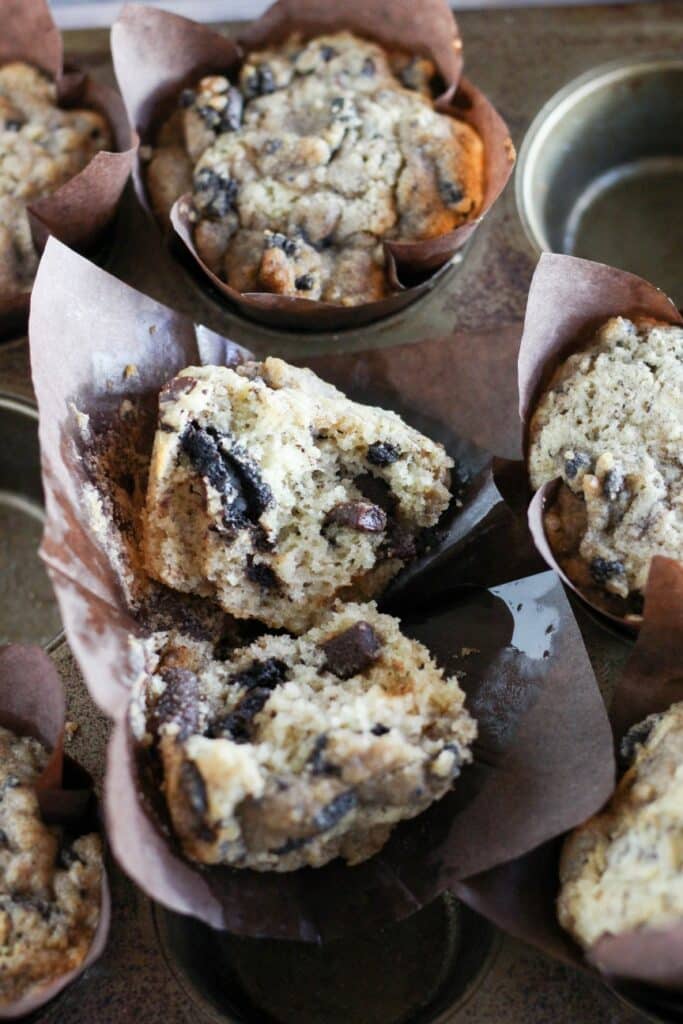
[(178, 704), (13, 124), (238, 723), (400, 542), (262, 574), (368, 69), (332, 813), (3, 837), (260, 82), (187, 98), (379, 729), (175, 388), (192, 785), (358, 515), (351, 652), (318, 762), (635, 737), (288, 245), (237, 479), (290, 846), (382, 453), (337, 104), (304, 283), (214, 195), (327, 53), (68, 857), (451, 193), (271, 146), (265, 674), (602, 569), (577, 461), (613, 483)]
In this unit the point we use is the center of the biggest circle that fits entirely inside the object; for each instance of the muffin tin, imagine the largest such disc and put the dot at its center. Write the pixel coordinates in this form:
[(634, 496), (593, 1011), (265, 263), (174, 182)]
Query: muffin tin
[(488, 289)]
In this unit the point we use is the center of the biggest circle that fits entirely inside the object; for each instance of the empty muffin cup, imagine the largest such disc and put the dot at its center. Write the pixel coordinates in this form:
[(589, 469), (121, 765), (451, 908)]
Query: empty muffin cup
[(372, 976), (600, 171)]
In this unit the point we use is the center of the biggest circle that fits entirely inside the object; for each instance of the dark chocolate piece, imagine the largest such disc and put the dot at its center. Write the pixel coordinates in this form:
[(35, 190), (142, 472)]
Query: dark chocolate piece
[(379, 729), (259, 82), (602, 569), (264, 674), (352, 651), (579, 460), (214, 195), (262, 574), (358, 515), (237, 724), (635, 737), (178, 704), (194, 788), (332, 813)]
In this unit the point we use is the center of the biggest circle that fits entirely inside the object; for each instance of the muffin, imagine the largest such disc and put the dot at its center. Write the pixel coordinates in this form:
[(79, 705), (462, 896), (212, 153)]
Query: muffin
[(622, 869), (273, 494), (610, 426), (42, 146), (308, 160), (50, 886), (295, 750)]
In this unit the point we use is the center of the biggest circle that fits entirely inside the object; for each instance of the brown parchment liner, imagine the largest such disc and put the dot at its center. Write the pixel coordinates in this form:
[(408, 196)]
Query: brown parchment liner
[(32, 704), (520, 896), (156, 54), (544, 735), (81, 210), (569, 299)]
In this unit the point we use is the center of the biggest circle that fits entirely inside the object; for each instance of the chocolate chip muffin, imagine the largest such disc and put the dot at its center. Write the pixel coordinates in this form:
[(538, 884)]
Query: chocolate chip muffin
[(273, 493), (293, 751), (622, 869), (315, 154), (610, 426), (41, 147), (50, 888)]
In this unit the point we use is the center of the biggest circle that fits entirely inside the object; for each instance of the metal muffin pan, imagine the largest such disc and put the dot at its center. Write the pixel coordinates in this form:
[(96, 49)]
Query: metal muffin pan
[(600, 172), (419, 971), (28, 613)]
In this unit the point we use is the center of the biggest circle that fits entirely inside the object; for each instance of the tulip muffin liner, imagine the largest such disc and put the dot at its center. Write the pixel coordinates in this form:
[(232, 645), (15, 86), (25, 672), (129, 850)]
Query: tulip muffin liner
[(32, 704), (520, 897), (81, 210), (156, 54), (569, 300), (543, 761)]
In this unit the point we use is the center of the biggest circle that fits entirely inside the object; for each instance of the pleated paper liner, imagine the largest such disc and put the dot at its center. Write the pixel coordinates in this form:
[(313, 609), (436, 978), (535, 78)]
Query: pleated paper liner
[(544, 736), (81, 210), (569, 300), (520, 897), (32, 704), (157, 54)]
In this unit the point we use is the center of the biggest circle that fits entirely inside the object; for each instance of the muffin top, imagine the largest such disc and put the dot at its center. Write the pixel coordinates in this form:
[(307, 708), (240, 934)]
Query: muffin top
[(610, 426), (273, 493), (622, 869), (50, 888), (294, 750), (318, 152), (41, 147)]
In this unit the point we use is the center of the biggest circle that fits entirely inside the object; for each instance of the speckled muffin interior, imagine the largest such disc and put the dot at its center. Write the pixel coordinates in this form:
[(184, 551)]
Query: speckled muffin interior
[(308, 160), (50, 889), (273, 493), (296, 750), (41, 147), (622, 870), (610, 426)]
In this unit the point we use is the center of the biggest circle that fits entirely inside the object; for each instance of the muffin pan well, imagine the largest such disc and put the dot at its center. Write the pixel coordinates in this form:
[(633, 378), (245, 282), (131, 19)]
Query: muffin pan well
[(601, 170), (374, 976)]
